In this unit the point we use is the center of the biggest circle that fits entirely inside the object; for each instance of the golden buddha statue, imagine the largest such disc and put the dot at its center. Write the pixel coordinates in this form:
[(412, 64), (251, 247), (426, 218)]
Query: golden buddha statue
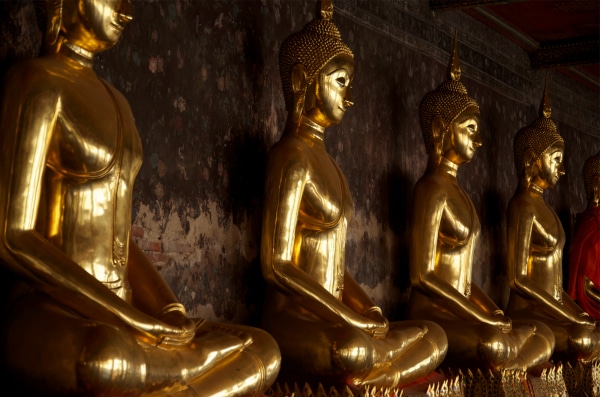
[(584, 268), (87, 313), (444, 233), (327, 327), (535, 242)]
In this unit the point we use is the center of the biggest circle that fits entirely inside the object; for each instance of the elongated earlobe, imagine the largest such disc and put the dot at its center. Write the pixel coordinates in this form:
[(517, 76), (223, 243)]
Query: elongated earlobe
[(531, 166), (54, 10), (438, 128), (596, 191), (299, 91)]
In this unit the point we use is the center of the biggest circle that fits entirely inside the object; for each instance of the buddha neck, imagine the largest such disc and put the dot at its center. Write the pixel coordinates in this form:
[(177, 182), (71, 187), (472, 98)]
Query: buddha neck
[(77, 53), (536, 189), (448, 166), (312, 130)]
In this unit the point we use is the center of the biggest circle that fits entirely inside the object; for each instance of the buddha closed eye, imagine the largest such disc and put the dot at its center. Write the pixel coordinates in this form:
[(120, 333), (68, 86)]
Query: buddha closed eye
[(341, 81)]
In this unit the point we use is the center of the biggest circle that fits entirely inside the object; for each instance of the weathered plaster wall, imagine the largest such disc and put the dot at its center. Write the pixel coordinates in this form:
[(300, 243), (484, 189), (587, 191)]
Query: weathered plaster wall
[(203, 82)]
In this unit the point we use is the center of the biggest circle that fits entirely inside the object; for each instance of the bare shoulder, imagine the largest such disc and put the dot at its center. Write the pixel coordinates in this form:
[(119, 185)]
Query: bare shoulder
[(430, 187), (521, 205), (36, 76), (289, 150)]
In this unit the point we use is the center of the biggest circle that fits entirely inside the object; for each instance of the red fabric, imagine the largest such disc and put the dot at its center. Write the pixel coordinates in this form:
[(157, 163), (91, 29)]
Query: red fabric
[(585, 260)]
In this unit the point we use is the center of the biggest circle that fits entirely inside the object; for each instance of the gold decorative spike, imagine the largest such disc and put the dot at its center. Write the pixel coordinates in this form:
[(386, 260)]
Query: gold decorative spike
[(321, 391), (444, 388), (560, 381), (333, 392), (366, 391), (305, 392), (430, 392), (594, 383), (346, 392)]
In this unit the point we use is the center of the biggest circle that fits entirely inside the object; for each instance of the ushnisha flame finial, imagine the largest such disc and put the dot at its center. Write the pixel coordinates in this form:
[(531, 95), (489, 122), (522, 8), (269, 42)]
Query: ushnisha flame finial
[(326, 9), (454, 65), (545, 106)]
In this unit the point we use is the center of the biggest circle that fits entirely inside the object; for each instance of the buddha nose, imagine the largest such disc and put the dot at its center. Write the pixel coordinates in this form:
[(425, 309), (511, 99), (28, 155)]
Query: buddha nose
[(125, 13), (349, 98), (561, 169), (477, 142)]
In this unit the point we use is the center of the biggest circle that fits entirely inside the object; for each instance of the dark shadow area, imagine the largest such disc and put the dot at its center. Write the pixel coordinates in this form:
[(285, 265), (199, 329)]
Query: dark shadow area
[(493, 214), (399, 203), (20, 31), (244, 200)]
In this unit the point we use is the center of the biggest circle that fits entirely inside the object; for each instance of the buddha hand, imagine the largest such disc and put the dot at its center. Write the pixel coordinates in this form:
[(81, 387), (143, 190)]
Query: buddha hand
[(586, 320), (381, 325), (187, 329), (501, 321)]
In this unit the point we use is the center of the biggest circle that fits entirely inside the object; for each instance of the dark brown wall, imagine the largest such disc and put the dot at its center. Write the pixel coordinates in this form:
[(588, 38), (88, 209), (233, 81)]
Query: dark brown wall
[(203, 82)]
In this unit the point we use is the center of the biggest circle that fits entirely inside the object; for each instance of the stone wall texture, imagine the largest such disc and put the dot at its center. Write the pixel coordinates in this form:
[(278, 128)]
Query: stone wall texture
[(203, 82)]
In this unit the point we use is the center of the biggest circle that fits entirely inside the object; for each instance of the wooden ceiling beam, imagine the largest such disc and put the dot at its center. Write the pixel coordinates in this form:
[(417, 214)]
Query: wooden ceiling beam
[(458, 4), (557, 53)]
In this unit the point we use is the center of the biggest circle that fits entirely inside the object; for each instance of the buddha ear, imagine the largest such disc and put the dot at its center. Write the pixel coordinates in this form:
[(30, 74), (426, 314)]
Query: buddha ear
[(438, 128), (54, 10), (529, 163), (298, 78), (596, 190), (299, 90)]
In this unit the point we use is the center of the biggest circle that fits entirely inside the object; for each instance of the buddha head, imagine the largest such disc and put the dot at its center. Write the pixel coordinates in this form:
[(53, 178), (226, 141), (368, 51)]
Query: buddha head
[(93, 25), (317, 69), (450, 118), (539, 149), (591, 179)]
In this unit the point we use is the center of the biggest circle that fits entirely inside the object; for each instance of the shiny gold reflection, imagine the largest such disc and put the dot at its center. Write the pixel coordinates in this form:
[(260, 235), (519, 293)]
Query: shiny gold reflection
[(89, 314)]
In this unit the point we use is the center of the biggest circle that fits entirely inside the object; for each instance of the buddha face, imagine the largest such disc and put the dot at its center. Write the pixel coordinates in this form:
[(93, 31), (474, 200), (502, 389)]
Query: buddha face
[(333, 91), (463, 136), (99, 23), (107, 18), (550, 164)]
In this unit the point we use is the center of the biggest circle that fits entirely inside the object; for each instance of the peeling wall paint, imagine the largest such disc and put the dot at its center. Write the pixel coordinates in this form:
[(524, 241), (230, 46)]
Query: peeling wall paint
[(203, 82)]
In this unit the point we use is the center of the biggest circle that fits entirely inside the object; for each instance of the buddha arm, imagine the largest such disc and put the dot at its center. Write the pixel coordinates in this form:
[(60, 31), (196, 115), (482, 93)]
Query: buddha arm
[(284, 188), (482, 300), (428, 207), (152, 295), (27, 122), (354, 296), (357, 299), (520, 226)]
